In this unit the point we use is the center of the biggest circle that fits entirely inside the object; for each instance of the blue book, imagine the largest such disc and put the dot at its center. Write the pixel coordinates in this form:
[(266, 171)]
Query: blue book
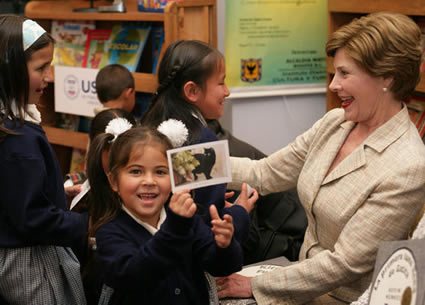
[(126, 45), (157, 34)]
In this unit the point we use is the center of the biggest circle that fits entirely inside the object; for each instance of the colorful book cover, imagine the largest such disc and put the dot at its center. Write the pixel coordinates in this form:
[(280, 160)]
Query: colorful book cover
[(127, 44), (97, 46), (157, 34), (78, 160), (153, 5), (70, 37)]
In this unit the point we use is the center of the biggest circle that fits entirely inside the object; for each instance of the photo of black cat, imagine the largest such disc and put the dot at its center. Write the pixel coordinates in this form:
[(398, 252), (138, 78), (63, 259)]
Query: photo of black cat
[(206, 163), (199, 165)]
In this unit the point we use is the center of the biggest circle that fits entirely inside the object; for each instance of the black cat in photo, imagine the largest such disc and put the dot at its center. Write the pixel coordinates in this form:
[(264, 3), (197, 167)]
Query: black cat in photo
[(206, 163)]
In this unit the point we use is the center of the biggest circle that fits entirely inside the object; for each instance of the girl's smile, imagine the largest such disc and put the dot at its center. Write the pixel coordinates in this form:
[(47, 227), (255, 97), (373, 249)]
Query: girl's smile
[(144, 184)]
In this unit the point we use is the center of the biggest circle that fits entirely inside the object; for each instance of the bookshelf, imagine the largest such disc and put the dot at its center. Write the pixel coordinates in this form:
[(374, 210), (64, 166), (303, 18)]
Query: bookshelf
[(342, 12), (188, 19)]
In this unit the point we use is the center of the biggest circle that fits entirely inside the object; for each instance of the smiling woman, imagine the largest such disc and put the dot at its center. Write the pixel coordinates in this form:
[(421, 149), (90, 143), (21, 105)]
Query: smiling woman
[(36, 230), (359, 171)]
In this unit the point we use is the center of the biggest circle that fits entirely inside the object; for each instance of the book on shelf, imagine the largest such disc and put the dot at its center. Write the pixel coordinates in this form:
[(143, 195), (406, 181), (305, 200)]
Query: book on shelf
[(127, 45), (97, 45), (141, 104), (123, 44), (153, 5), (78, 160), (73, 122), (70, 37), (68, 121), (157, 36)]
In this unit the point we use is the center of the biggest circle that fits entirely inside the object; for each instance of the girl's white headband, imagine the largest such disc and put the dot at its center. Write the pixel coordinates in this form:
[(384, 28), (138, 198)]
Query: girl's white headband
[(31, 31)]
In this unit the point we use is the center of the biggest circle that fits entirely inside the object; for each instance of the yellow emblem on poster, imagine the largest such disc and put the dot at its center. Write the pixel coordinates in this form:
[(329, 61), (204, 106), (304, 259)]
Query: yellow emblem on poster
[(250, 70)]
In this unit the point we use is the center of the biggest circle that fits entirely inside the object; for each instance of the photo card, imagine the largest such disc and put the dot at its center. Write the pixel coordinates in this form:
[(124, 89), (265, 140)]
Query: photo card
[(199, 165)]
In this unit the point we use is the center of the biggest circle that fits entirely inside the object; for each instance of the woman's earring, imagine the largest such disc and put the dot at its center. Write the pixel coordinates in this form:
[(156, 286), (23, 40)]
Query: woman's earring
[(385, 89)]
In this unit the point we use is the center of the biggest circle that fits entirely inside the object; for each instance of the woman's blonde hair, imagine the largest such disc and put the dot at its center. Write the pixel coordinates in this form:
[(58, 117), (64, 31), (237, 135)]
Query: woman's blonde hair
[(385, 45)]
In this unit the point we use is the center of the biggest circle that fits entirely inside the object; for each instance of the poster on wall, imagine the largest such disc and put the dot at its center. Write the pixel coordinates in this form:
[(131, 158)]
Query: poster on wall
[(275, 43)]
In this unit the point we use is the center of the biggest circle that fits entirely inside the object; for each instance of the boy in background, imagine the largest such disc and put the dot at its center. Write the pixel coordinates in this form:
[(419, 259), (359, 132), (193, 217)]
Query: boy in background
[(115, 88)]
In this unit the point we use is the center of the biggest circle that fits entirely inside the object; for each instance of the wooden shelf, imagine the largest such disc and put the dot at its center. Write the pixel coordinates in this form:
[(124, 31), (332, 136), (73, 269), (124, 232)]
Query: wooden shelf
[(62, 10), (66, 138), (145, 82), (411, 7)]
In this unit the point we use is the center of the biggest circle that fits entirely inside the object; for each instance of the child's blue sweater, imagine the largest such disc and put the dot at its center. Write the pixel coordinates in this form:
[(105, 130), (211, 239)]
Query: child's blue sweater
[(32, 201), (166, 268)]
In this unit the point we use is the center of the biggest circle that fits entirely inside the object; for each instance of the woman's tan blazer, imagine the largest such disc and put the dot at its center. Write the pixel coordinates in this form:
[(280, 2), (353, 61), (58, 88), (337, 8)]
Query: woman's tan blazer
[(373, 195)]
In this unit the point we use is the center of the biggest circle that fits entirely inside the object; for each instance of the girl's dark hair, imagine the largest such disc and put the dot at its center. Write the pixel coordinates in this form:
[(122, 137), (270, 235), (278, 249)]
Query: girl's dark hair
[(101, 120), (104, 202), (14, 80), (183, 61)]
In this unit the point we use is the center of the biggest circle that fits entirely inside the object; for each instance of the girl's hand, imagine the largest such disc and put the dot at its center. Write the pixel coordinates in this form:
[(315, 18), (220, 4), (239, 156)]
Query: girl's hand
[(182, 204), (228, 195), (245, 200), (222, 228)]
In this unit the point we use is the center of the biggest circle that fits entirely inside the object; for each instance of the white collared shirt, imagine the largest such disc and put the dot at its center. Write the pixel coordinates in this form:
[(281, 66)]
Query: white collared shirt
[(151, 229)]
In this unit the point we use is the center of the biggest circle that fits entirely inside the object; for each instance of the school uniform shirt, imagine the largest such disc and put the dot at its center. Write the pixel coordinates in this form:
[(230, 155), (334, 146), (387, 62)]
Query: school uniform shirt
[(32, 202), (164, 268), (214, 194), (373, 195)]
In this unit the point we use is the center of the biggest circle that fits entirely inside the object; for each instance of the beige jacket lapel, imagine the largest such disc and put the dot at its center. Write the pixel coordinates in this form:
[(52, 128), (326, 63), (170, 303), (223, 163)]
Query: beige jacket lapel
[(381, 138)]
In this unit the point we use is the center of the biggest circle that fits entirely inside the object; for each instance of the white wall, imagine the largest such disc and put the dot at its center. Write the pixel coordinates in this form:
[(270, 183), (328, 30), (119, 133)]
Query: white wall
[(271, 122)]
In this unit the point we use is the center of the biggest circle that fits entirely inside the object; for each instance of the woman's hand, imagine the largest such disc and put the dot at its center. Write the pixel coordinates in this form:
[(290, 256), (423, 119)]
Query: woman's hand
[(245, 200), (222, 228), (182, 204), (234, 285)]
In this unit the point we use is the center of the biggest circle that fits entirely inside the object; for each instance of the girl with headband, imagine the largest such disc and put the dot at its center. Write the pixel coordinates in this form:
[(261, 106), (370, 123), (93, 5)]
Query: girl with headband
[(36, 231)]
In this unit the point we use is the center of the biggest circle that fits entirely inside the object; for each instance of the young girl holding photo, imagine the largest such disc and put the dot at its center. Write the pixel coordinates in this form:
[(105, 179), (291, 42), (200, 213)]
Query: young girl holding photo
[(153, 247), (36, 265)]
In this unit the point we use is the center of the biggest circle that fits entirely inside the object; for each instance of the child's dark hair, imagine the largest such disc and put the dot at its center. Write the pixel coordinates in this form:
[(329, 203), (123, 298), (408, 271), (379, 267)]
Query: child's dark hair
[(105, 203), (14, 79), (111, 81), (183, 61), (101, 120)]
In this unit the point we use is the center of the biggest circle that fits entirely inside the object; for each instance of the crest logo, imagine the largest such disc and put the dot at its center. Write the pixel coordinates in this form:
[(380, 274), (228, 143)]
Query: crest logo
[(71, 87), (251, 70)]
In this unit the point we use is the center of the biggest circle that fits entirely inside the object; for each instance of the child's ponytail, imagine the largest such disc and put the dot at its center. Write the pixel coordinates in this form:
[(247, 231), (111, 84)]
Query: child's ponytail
[(103, 201)]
